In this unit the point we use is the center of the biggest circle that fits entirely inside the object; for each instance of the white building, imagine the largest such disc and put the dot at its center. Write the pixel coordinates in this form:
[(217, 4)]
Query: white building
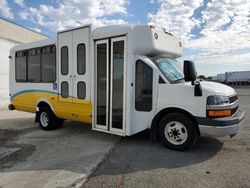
[(233, 78), (11, 34), (238, 77), (221, 78)]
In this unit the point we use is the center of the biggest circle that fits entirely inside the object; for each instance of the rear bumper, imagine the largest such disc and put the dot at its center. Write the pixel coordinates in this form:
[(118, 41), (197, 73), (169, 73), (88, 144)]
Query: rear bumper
[(11, 107), (218, 127)]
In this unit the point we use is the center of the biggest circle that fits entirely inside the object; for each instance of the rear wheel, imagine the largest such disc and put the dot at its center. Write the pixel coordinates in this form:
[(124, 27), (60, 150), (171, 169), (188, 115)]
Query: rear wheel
[(177, 132), (48, 120)]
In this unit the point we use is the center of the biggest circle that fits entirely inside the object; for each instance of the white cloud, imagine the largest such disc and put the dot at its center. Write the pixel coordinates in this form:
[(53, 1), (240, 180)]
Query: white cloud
[(73, 13), (36, 29), (175, 16), (224, 28), (5, 9), (19, 2), (219, 14)]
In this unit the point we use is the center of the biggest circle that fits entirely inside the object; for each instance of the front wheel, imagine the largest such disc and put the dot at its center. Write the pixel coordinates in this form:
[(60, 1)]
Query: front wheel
[(48, 120), (178, 132)]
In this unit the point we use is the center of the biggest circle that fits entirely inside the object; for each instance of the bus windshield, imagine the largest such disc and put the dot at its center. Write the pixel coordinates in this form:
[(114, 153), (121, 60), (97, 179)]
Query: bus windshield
[(170, 69)]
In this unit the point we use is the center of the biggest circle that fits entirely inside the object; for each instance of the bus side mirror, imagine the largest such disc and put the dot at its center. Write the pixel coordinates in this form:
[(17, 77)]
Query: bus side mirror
[(189, 71), (191, 75)]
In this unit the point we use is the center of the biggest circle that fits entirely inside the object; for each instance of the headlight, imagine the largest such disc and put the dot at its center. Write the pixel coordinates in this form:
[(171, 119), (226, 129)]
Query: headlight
[(217, 100), (218, 106)]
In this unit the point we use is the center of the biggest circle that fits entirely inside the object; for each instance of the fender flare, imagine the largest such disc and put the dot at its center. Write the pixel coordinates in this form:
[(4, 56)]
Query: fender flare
[(162, 112), (46, 101)]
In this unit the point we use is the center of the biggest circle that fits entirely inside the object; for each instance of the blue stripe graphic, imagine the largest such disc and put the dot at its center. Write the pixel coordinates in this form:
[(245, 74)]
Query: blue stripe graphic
[(32, 91)]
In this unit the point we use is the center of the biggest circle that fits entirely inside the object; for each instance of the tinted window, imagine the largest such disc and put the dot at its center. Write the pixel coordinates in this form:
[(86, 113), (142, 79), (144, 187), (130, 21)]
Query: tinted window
[(101, 78), (64, 60), (34, 66), (65, 89), (143, 87), (21, 67), (81, 90), (117, 96), (81, 56), (48, 64)]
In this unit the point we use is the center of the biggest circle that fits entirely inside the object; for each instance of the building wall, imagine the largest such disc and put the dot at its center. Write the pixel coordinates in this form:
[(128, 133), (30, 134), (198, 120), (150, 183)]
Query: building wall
[(239, 76), (19, 34), (5, 46), (10, 35), (235, 78)]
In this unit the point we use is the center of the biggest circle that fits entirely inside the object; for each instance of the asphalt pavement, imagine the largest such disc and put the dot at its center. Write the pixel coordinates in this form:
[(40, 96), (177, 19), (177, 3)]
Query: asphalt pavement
[(31, 157), (138, 162), (76, 156)]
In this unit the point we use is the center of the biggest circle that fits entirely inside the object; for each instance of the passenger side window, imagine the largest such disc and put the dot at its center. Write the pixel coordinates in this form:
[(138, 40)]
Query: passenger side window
[(49, 64), (21, 66), (143, 87), (34, 65)]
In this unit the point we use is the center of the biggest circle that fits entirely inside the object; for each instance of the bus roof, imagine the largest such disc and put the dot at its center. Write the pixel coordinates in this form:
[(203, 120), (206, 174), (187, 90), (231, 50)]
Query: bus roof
[(35, 44), (142, 39)]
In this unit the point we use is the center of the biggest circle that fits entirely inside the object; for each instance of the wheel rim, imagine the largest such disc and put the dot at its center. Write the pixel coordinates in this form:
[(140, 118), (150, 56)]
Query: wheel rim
[(44, 119), (175, 132)]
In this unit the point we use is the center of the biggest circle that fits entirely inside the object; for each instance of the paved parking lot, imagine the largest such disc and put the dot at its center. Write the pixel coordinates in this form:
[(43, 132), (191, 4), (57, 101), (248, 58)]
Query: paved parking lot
[(138, 162), (30, 157)]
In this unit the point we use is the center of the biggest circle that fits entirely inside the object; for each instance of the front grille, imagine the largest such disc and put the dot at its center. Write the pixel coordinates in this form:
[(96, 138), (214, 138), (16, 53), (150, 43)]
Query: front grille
[(234, 110), (233, 99)]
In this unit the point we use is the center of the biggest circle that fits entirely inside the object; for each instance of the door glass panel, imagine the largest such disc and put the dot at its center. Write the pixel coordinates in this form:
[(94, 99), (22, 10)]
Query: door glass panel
[(65, 89), (101, 84), (81, 53), (117, 82), (64, 60), (81, 90)]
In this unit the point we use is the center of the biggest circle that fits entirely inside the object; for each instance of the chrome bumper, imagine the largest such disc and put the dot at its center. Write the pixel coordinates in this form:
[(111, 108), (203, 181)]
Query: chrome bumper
[(218, 127)]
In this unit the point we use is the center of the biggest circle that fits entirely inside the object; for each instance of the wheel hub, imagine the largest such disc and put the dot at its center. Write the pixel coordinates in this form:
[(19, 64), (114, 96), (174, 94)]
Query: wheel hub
[(175, 132), (44, 119)]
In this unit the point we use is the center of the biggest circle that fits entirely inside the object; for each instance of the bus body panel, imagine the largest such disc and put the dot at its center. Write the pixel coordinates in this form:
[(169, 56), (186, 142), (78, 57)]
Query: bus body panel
[(133, 95)]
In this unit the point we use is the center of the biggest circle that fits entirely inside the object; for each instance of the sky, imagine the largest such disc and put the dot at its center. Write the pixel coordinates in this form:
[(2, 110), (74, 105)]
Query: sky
[(215, 33)]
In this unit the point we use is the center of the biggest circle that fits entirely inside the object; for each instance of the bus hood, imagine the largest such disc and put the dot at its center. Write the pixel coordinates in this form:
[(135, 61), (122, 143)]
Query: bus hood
[(214, 88)]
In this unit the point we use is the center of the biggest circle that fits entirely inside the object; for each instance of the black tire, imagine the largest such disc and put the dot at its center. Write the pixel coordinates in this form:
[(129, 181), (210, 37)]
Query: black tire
[(59, 123), (52, 121), (189, 131)]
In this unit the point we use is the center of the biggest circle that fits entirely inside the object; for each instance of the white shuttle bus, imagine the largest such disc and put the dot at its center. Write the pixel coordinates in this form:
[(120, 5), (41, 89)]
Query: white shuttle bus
[(121, 79)]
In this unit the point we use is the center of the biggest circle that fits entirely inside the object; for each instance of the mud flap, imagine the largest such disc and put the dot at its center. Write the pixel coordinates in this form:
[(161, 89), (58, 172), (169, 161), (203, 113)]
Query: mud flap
[(37, 117)]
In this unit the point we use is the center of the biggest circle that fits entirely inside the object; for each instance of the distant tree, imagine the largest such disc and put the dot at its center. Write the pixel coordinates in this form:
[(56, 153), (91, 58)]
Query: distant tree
[(202, 77)]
